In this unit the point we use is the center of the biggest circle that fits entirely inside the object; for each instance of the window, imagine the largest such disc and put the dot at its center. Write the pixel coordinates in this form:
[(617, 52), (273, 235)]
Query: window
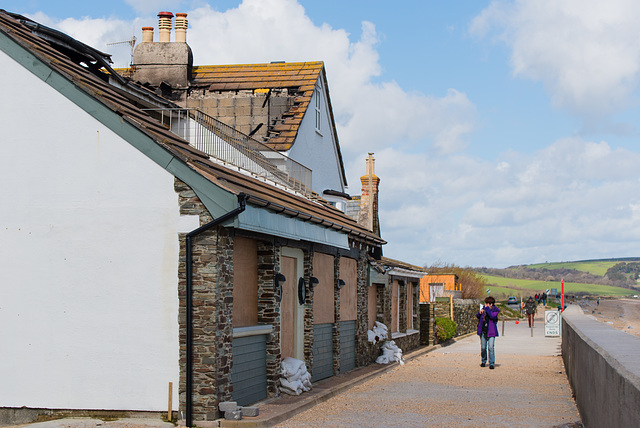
[(317, 95)]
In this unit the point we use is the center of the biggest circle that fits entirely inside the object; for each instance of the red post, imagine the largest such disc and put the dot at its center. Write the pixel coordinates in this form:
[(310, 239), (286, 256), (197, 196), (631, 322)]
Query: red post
[(562, 310)]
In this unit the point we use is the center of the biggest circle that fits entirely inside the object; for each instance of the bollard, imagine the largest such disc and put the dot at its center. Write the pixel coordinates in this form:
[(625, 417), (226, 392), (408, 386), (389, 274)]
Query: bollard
[(503, 326), (531, 328)]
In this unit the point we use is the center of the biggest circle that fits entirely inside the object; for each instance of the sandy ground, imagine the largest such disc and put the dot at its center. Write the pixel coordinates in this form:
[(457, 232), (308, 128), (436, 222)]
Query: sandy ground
[(623, 314)]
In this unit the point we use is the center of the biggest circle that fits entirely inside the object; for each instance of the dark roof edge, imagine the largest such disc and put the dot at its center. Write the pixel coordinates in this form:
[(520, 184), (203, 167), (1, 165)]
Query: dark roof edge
[(257, 201)]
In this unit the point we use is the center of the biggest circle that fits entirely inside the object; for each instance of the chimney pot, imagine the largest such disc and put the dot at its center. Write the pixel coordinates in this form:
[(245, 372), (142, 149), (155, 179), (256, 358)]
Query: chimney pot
[(181, 27), (164, 26), (147, 34)]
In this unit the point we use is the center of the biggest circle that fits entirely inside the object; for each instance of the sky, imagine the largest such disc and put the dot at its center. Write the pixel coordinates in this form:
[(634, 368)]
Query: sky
[(504, 132)]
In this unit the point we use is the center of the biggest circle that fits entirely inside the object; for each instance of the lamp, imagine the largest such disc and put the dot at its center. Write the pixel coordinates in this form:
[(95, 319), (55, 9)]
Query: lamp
[(340, 283), (313, 281), (279, 279)]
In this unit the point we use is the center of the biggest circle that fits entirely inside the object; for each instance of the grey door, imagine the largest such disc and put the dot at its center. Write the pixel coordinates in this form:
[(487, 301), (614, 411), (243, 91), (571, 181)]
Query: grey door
[(249, 371), (347, 345), (322, 352)]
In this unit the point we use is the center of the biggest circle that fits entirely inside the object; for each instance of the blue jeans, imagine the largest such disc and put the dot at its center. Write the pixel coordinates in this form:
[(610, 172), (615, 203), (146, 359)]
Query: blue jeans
[(487, 342)]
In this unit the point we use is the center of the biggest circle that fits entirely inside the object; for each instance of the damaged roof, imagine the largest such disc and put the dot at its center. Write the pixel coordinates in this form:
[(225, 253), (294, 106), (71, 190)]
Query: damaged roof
[(298, 77), (72, 65)]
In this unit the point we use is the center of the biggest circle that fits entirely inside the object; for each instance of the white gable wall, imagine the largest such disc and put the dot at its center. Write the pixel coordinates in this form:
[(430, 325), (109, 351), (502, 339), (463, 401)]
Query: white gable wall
[(318, 150), (88, 259)]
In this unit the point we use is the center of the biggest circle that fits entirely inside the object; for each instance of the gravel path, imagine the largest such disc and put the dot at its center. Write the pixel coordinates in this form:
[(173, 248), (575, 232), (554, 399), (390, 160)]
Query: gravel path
[(448, 388)]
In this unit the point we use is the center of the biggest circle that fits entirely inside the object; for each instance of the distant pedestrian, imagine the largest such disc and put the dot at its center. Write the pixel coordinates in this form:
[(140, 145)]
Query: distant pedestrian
[(488, 331), (544, 298), (530, 308)]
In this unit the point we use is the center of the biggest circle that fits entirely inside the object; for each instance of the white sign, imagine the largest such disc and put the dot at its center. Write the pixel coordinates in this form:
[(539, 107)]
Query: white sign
[(552, 323)]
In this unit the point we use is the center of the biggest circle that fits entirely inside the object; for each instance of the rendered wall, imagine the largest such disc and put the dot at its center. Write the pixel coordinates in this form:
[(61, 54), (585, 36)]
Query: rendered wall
[(603, 370), (88, 259), (318, 150)]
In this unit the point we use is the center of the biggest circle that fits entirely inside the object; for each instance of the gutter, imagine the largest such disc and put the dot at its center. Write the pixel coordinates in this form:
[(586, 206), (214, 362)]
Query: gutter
[(189, 302)]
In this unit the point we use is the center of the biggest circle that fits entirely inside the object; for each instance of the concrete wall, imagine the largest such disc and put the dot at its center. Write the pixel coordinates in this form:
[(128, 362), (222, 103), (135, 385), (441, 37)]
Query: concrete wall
[(603, 370), (88, 259)]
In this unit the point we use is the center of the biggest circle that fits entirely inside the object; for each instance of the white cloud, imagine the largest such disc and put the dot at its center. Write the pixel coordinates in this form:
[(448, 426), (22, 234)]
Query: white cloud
[(586, 52), (547, 206)]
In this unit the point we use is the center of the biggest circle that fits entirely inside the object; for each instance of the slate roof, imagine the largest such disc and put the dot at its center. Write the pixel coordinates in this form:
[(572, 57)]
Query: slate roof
[(66, 56)]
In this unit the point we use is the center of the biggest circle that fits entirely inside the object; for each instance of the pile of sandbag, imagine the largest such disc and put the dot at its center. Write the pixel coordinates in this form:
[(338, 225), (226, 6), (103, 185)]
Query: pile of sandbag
[(390, 354), (295, 378), (378, 333)]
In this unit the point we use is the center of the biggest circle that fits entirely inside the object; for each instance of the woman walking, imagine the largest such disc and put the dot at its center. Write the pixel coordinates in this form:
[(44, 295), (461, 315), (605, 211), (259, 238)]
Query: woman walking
[(488, 331), (530, 308)]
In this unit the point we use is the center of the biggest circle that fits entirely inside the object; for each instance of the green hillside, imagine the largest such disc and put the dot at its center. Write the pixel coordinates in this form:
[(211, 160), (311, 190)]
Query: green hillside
[(500, 286), (593, 267)]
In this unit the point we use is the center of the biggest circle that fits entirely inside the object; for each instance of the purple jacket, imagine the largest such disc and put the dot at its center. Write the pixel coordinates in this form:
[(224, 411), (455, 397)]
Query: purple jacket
[(492, 315)]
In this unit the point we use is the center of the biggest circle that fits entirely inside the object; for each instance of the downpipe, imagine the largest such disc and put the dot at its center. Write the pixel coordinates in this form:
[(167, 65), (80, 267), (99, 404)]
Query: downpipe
[(189, 300)]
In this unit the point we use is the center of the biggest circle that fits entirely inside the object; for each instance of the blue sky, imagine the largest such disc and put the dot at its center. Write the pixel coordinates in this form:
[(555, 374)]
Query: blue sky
[(504, 132)]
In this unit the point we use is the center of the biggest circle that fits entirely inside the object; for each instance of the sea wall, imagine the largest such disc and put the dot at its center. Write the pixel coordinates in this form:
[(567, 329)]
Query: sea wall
[(603, 369)]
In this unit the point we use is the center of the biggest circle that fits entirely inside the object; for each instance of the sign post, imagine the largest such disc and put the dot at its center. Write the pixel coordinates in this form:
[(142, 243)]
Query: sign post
[(552, 323), (562, 310)]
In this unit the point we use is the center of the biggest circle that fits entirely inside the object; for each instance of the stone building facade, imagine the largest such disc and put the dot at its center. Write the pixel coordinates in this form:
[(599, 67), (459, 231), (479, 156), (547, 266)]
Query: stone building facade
[(214, 307)]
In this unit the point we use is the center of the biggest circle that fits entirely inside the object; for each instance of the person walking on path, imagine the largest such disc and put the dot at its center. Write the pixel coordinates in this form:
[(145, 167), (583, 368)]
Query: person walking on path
[(530, 308), (488, 331)]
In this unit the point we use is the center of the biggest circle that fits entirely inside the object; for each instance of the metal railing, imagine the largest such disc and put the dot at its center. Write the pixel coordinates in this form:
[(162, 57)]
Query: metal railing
[(230, 146)]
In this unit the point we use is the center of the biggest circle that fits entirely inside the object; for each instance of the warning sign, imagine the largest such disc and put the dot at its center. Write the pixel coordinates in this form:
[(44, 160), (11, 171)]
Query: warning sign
[(552, 323)]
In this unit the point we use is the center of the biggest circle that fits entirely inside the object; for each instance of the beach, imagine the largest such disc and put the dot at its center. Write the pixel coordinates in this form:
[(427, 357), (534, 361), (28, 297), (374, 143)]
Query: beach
[(623, 314)]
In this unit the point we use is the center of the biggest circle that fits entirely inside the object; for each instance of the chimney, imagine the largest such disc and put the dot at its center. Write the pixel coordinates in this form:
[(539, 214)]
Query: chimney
[(368, 216), (164, 26), (164, 62), (147, 34), (181, 28)]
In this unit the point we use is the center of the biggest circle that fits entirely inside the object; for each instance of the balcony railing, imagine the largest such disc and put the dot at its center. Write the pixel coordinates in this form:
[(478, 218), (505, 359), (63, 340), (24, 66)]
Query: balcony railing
[(229, 146)]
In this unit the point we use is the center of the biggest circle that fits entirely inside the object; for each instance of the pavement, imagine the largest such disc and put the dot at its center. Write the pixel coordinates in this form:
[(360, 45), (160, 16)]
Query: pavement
[(516, 339)]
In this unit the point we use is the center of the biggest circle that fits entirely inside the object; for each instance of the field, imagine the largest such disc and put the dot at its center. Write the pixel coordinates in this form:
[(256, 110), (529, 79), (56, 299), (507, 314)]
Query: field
[(593, 267), (500, 286)]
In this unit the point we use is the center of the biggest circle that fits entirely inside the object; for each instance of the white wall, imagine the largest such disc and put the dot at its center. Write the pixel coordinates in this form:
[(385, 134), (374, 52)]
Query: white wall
[(317, 150), (88, 259)]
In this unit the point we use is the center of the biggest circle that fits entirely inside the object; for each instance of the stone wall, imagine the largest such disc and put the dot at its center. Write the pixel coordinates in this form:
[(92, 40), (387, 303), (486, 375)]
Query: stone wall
[(268, 302), (464, 315), (427, 323), (363, 348), (212, 268)]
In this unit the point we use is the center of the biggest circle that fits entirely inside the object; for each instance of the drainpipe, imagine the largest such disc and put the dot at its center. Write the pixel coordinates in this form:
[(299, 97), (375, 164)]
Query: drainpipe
[(189, 303)]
